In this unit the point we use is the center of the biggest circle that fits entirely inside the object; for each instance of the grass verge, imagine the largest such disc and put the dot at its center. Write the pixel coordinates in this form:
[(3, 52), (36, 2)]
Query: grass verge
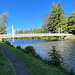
[(6, 67), (35, 65), (71, 37)]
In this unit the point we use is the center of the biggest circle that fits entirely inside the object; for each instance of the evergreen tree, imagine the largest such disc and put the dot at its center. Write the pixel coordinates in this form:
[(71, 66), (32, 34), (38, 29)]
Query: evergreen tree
[(62, 20), (71, 23), (56, 19), (63, 23), (34, 30), (56, 58), (60, 9), (44, 29), (53, 19)]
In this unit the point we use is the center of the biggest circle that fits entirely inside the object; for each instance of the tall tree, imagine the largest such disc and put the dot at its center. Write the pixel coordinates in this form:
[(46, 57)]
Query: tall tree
[(62, 20), (60, 9), (53, 19), (71, 23), (44, 28), (3, 19)]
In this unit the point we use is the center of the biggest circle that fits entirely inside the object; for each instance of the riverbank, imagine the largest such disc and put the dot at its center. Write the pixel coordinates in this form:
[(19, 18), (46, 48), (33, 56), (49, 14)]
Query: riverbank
[(70, 37), (35, 65), (49, 38)]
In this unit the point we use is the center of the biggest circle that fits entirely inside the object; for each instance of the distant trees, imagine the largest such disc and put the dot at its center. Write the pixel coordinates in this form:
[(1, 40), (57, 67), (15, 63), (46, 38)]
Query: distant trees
[(71, 23), (56, 21)]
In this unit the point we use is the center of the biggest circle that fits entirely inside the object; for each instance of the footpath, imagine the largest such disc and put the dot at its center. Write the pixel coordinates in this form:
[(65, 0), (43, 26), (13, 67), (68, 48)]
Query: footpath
[(19, 66)]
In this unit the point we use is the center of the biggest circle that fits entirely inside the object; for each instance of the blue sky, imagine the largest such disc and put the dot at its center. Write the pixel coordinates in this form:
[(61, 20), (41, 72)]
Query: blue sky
[(26, 14)]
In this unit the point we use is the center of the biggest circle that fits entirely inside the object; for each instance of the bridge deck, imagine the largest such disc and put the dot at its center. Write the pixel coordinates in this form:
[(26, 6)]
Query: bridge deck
[(34, 35)]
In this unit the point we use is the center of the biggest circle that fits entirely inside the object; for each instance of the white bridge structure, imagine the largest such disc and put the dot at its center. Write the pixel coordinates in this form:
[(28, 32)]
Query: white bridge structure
[(13, 35), (33, 35)]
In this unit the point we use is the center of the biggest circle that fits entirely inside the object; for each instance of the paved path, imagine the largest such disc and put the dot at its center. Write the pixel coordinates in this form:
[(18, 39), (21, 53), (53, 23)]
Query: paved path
[(18, 64)]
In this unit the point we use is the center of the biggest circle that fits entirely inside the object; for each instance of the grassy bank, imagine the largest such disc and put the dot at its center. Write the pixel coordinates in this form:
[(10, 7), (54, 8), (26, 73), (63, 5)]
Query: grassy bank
[(40, 38), (71, 37), (35, 65), (6, 68)]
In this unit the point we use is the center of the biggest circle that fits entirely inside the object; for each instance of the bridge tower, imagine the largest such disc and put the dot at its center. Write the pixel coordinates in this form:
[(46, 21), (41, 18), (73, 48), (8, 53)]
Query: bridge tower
[(13, 32)]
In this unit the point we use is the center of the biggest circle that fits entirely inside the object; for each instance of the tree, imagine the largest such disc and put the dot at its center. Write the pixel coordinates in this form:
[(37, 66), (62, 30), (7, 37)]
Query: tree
[(60, 9), (44, 28), (62, 20), (56, 58), (25, 31), (34, 30), (71, 23), (2, 29), (46, 18), (63, 23), (38, 31), (31, 30), (53, 19), (3, 19)]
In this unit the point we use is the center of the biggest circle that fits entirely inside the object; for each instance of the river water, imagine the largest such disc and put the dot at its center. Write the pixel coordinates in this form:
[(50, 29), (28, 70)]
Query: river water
[(42, 47)]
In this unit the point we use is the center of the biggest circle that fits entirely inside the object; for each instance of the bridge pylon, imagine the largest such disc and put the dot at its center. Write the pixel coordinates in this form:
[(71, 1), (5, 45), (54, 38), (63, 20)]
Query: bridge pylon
[(13, 32)]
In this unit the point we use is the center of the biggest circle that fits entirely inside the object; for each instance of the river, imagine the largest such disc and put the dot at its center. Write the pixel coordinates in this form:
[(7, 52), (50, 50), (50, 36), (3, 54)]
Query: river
[(42, 47)]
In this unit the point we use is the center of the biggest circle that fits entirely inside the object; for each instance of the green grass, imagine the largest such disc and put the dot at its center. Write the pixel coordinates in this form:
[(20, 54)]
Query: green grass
[(71, 37), (41, 38), (35, 65), (6, 68)]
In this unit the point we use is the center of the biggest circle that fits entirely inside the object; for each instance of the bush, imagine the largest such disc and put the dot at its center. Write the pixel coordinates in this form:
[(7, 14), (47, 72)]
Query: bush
[(7, 42), (3, 40), (30, 50), (72, 73), (56, 58), (18, 47), (38, 56), (11, 45)]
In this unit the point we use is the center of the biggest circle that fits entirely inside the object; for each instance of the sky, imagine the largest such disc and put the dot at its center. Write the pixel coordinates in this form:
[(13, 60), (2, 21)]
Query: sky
[(27, 14)]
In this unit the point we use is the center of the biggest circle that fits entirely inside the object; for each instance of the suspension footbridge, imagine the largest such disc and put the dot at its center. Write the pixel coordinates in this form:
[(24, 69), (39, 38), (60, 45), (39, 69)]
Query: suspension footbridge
[(13, 35), (32, 35)]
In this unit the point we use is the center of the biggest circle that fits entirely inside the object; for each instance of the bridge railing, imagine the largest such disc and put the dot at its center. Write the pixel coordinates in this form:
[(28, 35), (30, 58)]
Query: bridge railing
[(33, 35)]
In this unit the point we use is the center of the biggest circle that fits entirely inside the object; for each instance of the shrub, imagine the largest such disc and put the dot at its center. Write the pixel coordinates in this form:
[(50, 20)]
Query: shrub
[(30, 50), (3, 40), (11, 45), (18, 47), (7, 42), (38, 56), (56, 58), (72, 73), (0, 52)]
